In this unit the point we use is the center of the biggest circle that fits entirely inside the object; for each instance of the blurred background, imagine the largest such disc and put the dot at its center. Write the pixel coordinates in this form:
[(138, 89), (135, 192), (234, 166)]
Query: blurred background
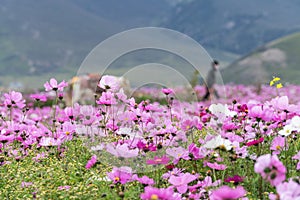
[(254, 40)]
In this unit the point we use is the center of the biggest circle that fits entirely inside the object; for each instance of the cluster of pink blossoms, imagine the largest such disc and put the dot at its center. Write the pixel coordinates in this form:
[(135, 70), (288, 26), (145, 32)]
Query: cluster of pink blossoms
[(200, 136)]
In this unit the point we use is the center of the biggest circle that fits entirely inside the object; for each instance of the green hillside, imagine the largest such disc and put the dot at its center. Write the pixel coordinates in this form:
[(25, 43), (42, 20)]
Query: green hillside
[(46, 38), (278, 58)]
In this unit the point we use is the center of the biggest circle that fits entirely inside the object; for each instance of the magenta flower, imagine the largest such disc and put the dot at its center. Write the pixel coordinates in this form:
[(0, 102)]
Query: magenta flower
[(91, 162), (225, 192), (195, 152), (146, 147), (270, 168), (234, 179), (14, 99), (181, 182), (255, 142), (167, 91), (216, 166), (120, 175), (52, 85), (6, 138), (39, 97), (158, 160), (152, 193)]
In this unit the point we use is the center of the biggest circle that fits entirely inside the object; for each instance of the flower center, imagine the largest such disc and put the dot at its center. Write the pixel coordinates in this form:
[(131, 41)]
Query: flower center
[(117, 179), (278, 147), (67, 133), (154, 197)]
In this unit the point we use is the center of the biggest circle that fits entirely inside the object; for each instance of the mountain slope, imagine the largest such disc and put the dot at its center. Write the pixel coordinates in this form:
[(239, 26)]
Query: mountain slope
[(277, 58), (50, 37), (237, 26)]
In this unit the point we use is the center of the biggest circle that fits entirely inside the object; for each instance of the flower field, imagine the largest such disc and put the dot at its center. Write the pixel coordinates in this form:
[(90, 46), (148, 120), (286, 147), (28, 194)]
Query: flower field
[(245, 145)]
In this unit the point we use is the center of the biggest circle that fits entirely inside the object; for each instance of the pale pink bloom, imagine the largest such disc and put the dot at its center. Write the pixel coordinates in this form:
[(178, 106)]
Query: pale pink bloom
[(52, 85), (181, 182), (122, 150), (226, 192), (109, 83), (270, 168), (178, 153)]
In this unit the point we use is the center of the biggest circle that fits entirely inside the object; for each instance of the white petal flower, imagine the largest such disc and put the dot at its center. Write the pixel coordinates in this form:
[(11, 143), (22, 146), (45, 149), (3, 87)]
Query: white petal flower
[(218, 141)]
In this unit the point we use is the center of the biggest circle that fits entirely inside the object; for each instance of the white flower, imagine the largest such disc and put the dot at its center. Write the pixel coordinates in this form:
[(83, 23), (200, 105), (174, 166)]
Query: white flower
[(218, 141), (110, 82), (127, 131), (49, 141), (220, 109), (287, 130), (97, 148), (293, 125)]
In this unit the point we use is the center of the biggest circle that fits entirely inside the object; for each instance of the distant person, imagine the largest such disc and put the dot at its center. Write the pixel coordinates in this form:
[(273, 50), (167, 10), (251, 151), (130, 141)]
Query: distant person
[(210, 81)]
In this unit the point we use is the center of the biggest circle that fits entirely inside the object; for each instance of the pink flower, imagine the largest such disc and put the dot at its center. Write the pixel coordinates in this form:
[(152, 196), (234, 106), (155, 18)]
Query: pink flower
[(39, 97), (122, 151), (195, 152), (270, 168), (152, 193), (49, 141), (278, 144), (297, 157), (54, 86), (216, 166), (174, 172), (26, 184), (91, 162), (167, 91), (280, 103), (158, 160), (178, 153), (225, 192), (39, 157), (107, 98), (109, 83), (14, 99), (145, 180), (120, 175), (181, 182), (256, 112), (65, 187), (288, 190)]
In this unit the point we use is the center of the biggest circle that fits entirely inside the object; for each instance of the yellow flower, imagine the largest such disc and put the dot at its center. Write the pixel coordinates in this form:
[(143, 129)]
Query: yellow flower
[(275, 80), (279, 85)]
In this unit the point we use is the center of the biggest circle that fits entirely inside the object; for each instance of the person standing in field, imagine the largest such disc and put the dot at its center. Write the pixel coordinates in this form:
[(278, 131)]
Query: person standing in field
[(210, 81)]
